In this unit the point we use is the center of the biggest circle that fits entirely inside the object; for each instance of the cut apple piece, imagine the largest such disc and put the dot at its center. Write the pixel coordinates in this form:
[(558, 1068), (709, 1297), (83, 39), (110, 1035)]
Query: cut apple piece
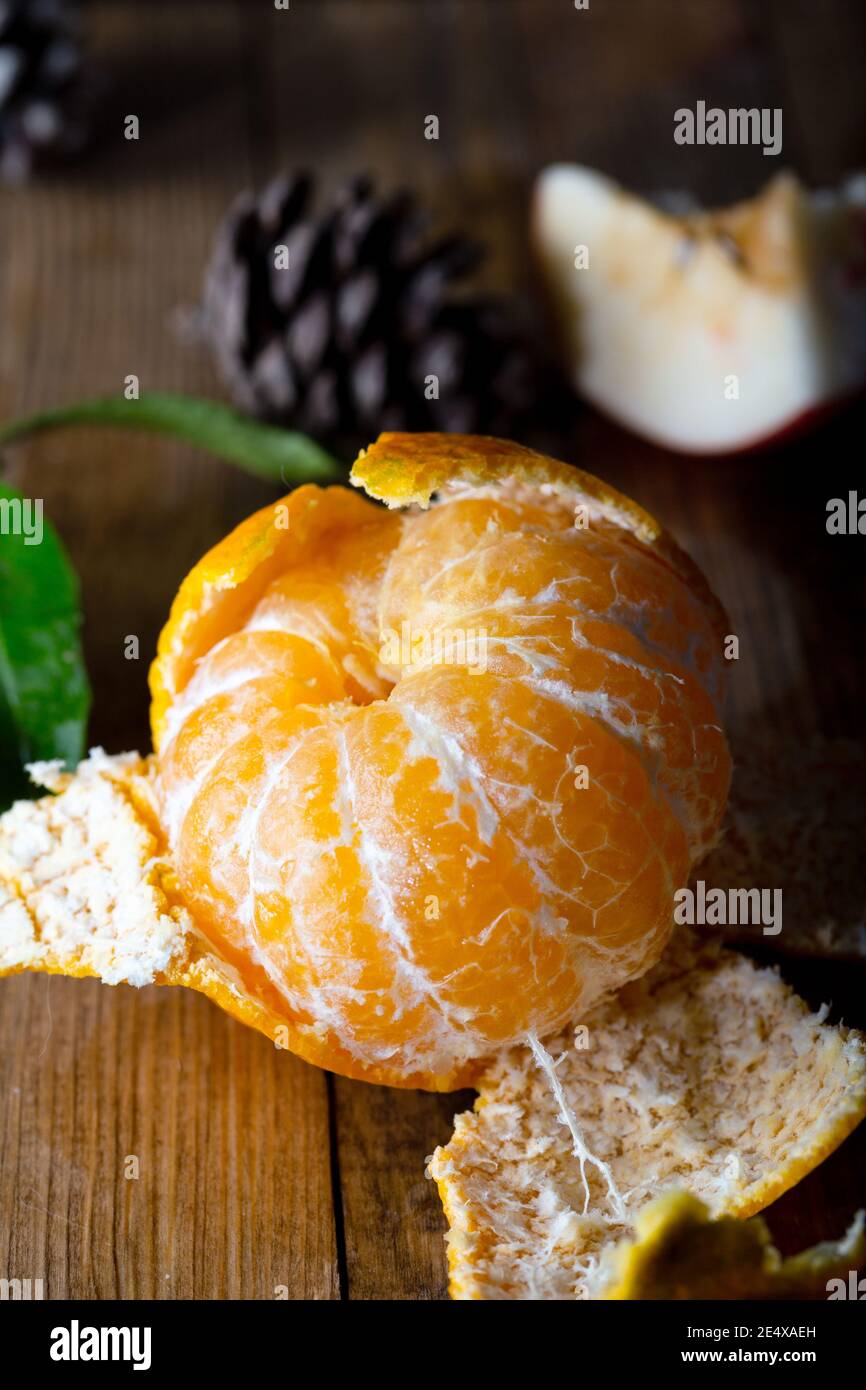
[(711, 332)]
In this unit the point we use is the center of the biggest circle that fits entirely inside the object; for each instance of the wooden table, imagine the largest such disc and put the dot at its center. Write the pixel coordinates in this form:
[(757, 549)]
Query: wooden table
[(256, 1170)]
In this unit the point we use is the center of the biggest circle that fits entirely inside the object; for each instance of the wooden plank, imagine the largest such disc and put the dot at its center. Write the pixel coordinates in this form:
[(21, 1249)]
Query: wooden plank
[(234, 1193), (231, 1197), (394, 1226)]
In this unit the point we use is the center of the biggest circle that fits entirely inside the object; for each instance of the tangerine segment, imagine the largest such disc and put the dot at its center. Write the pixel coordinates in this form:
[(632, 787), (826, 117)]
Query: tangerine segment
[(220, 594), (572, 604), (421, 848)]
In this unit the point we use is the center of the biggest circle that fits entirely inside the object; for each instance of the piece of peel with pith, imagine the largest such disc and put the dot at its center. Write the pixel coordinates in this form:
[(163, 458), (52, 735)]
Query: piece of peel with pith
[(708, 1075), (86, 889)]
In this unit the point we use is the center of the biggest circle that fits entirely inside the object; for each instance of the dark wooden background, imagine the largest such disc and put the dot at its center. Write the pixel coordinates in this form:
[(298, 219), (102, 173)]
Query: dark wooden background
[(257, 1170)]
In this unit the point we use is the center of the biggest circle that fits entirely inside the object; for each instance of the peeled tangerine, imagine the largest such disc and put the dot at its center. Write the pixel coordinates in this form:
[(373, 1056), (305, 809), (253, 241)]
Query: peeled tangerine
[(426, 777)]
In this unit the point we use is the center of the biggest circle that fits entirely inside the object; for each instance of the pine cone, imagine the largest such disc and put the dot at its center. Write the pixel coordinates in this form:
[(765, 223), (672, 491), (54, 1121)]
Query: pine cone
[(358, 333), (42, 106)]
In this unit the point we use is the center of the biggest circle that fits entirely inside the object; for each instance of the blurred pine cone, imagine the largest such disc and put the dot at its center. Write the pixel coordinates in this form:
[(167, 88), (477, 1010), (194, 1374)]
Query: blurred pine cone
[(42, 95), (340, 322)]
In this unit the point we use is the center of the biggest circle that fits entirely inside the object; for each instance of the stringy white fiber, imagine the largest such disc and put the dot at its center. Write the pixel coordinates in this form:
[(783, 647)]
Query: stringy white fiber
[(579, 1148)]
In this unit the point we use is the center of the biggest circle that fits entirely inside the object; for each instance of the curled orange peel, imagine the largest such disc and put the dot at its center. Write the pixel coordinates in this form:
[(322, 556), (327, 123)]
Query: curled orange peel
[(405, 470), (680, 1252)]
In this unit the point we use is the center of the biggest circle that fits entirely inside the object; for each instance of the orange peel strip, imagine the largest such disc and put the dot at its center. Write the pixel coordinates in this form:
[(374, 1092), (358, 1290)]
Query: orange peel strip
[(680, 1252), (709, 1075)]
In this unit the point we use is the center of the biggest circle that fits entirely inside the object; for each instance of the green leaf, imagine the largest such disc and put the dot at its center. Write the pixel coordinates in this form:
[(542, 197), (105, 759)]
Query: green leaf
[(44, 692), (265, 450)]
